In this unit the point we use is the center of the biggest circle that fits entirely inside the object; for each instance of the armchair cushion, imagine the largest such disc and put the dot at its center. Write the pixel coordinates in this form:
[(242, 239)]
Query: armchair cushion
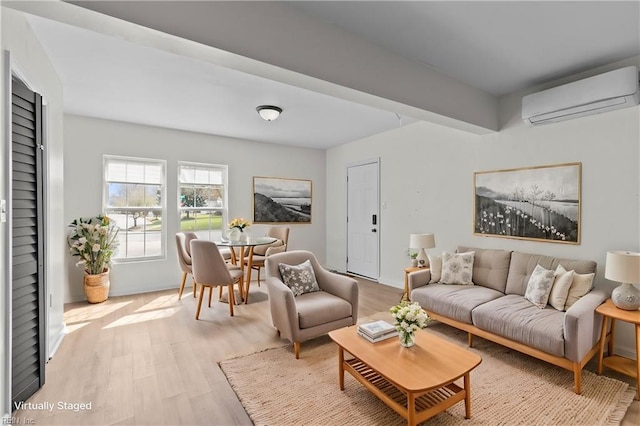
[(299, 278), (319, 308)]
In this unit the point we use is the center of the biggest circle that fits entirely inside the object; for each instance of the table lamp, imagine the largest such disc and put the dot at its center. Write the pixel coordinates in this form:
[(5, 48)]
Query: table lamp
[(422, 241), (624, 267)]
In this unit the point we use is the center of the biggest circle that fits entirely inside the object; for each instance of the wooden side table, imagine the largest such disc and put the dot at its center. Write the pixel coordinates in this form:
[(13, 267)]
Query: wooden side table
[(407, 271), (618, 363)]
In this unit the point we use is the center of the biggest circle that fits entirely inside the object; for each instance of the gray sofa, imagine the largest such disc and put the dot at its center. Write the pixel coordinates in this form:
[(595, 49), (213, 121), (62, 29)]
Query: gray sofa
[(494, 308)]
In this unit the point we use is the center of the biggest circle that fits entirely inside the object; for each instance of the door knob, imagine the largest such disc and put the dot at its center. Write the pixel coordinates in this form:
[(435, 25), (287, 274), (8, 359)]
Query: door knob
[(374, 230)]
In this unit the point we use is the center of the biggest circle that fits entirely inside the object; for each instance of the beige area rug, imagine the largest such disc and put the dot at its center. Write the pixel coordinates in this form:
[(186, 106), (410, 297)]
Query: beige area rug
[(507, 388)]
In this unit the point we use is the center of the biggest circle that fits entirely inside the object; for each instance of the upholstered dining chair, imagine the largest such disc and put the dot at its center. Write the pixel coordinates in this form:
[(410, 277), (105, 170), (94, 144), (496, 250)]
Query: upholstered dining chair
[(210, 270), (309, 314), (183, 247), (281, 233)]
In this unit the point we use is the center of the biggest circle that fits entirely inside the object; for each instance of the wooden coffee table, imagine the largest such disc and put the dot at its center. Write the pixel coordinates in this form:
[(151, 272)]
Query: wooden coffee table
[(415, 382)]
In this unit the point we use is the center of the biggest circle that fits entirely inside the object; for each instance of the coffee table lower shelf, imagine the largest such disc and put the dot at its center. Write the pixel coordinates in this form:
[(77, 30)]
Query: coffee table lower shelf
[(416, 408)]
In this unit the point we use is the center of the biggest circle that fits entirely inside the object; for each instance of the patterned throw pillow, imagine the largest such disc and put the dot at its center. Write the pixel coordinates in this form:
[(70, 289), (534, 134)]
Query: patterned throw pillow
[(457, 268), (539, 286), (299, 278)]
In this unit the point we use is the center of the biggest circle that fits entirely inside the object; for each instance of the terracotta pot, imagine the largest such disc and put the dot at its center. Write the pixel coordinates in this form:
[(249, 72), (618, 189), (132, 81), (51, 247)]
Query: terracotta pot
[(96, 287)]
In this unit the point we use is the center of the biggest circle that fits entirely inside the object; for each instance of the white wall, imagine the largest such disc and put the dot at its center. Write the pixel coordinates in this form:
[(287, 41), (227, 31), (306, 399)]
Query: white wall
[(88, 139), (30, 61), (427, 186)]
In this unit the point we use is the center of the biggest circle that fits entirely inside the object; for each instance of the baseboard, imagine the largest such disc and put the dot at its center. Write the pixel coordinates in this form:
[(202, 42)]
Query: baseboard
[(391, 282), (130, 291), (625, 351), (56, 340)]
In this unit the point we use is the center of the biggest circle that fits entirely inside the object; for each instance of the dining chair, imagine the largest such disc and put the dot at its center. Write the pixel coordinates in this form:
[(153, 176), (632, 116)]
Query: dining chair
[(183, 248), (210, 270), (281, 234)]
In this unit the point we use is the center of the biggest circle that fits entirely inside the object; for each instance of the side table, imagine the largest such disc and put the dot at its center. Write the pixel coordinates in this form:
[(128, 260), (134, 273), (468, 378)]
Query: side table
[(629, 367), (407, 271)]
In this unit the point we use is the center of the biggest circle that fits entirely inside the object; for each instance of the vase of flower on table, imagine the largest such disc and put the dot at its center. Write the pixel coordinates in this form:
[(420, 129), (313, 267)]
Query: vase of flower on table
[(236, 229), (409, 317)]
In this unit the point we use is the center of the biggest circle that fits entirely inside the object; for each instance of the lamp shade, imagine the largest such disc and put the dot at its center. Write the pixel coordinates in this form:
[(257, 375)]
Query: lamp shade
[(422, 241), (269, 112), (623, 266)]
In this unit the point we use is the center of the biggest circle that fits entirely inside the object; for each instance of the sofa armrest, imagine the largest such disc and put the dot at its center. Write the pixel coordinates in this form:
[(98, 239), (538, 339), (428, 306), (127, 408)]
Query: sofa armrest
[(419, 279), (341, 286), (582, 325), (284, 314)]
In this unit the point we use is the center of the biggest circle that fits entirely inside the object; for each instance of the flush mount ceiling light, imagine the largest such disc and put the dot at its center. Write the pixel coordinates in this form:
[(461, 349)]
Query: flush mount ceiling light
[(269, 112)]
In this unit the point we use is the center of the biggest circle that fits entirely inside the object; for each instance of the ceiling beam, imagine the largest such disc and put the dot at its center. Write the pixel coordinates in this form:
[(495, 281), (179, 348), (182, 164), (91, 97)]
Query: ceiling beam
[(275, 41)]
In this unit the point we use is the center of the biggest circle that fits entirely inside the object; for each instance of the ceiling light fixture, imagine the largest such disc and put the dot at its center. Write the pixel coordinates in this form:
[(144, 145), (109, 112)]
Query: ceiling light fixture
[(269, 112)]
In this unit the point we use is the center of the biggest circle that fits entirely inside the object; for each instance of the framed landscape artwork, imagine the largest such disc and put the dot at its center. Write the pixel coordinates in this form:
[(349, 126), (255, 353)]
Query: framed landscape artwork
[(280, 200), (535, 203)]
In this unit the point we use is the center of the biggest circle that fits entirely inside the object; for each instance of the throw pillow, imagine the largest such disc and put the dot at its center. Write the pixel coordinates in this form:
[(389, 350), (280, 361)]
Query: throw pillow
[(581, 285), (539, 286), (435, 265), (560, 289), (299, 278), (457, 268)]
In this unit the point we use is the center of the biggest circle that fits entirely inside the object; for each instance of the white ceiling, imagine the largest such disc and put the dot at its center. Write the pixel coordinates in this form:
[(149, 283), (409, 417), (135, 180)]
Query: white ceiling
[(111, 78), (498, 47)]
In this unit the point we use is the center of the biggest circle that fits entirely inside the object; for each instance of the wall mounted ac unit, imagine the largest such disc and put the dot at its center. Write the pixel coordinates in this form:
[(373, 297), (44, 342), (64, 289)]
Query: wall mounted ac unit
[(605, 92)]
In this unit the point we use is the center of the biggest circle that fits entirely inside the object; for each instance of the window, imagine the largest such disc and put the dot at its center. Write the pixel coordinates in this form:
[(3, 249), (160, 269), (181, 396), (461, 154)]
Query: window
[(202, 199), (134, 198)]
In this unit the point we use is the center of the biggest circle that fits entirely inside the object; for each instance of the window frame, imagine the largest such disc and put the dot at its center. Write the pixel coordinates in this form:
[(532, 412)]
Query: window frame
[(106, 159), (225, 185)]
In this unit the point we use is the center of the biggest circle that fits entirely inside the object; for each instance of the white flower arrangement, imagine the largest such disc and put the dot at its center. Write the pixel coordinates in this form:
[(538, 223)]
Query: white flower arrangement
[(94, 241), (409, 317)]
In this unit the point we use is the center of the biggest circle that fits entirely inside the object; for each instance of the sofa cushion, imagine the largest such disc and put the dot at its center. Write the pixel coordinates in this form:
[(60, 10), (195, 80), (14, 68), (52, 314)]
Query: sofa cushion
[(435, 265), (321, 307), (560, 289), (490, 267), (581, 285), (453, 301), (539, 286), (457, 268), (517, 319), (523, 264)]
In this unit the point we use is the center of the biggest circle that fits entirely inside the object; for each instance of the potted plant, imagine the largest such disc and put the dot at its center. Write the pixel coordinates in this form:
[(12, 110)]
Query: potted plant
[(413, 256), (94, 241)]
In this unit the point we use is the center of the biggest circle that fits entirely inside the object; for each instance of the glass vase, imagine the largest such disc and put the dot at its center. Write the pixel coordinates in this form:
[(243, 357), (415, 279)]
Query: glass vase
[(407, 339)]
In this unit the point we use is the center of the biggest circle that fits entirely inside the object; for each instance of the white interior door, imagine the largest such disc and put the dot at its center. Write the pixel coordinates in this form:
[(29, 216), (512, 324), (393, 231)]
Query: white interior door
[(363, 220)]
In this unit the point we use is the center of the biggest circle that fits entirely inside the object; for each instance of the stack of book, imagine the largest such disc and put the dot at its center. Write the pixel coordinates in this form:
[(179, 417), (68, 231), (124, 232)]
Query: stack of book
[(377, 331)]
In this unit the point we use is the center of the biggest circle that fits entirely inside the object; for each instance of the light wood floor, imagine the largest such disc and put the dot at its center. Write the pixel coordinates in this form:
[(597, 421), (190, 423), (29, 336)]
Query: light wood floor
[(144, 359)]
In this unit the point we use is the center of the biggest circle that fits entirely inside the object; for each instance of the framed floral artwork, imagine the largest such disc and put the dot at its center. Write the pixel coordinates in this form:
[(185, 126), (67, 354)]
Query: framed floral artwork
[(281, 200), (533, 203)]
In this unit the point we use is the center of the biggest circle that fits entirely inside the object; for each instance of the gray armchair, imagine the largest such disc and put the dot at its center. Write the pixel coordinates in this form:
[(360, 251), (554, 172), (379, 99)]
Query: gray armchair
[(313, 314)]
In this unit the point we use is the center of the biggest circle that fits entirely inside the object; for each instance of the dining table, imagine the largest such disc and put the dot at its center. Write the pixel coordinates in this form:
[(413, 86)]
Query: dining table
[(245, 249)]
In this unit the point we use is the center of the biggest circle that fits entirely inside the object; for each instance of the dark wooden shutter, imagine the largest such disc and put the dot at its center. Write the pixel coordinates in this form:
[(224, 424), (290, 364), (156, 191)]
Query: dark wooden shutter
[(27, 278)]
